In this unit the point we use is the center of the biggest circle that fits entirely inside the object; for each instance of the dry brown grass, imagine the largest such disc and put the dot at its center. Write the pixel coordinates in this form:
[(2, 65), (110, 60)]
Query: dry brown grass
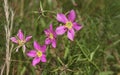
[(8, 29)]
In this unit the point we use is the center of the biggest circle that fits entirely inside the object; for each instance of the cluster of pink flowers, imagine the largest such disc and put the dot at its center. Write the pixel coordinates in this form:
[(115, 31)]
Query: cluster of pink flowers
[(38, 53)]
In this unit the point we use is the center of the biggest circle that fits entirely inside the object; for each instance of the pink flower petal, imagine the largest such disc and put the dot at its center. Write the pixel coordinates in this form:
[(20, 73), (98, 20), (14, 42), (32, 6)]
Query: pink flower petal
[(51, 28), (20, 35), (71, 15), (43, 48), (54, 43), (35, 61), (24, 48), (54, 34), (17, 48), (47, 41), (43, 58), (70, 34), (36, 45), (77, 26), (13, 39), (62, 18), (31, 53), (60, 30), (46, 32), (28, 38)]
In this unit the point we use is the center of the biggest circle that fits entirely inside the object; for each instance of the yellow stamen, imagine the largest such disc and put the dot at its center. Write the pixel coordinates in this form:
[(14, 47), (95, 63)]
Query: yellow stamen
[(39, 53), (21, 42), (69, 25), (51, 36)]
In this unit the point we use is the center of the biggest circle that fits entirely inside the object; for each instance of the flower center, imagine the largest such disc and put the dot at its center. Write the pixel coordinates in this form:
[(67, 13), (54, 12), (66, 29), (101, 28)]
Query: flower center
[(21, 42), (39, 53), (69, 25), (51, 35)]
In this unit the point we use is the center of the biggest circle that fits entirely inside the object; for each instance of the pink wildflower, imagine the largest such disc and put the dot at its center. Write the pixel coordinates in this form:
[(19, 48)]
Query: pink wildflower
[(20, 40), (69, 24), (38, 53), (51, 36)]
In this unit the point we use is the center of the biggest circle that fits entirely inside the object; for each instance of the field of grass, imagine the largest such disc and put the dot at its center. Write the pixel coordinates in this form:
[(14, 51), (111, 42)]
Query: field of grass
[(94, 51)]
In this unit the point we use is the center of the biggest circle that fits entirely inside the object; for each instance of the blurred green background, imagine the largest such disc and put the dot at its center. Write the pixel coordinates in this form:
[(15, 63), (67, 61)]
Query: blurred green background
[(95, 50)]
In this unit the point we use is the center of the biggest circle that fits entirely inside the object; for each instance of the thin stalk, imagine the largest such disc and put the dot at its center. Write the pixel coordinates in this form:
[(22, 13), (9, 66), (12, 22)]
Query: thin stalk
[(8, 28), (88, 57)]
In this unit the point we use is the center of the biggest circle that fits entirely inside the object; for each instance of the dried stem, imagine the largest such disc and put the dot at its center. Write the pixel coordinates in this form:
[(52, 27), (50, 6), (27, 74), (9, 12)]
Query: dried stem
[(8, 29), (22, 9), (116, 55), (13, 60), (2, 69)]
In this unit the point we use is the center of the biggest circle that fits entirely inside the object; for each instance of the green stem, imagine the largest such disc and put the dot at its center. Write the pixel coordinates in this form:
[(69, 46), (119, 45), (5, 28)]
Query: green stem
[(95, 65), (88, 57), (82, 50)]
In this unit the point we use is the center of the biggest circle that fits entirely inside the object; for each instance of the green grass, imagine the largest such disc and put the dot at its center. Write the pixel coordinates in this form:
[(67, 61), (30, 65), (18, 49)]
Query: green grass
[(95, 50)]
